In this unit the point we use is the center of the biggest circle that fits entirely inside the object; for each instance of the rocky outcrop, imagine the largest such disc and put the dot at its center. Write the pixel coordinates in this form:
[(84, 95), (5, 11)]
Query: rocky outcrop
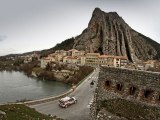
[(63, 75), (107, 33)]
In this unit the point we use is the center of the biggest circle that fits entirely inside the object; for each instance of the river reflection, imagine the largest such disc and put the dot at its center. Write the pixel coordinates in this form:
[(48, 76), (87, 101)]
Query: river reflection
[(17, 86)]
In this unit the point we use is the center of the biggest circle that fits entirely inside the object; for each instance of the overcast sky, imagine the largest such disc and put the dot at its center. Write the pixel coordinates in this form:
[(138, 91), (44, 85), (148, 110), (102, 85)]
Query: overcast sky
[(27, 25)]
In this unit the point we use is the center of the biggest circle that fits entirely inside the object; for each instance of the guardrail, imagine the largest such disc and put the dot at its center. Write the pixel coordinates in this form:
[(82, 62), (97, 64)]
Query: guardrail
[(48, 99)]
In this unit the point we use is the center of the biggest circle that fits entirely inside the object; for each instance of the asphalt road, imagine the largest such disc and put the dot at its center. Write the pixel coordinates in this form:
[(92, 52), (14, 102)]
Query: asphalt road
[(80, 111)]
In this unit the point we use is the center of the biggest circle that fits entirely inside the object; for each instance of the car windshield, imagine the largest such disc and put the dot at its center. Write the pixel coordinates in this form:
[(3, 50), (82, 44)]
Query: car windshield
[(71, 99), (65, 99), (61, 101)]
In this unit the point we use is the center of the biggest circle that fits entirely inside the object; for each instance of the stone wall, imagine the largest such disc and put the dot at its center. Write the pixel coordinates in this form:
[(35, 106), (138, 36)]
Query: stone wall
[(133, 85)]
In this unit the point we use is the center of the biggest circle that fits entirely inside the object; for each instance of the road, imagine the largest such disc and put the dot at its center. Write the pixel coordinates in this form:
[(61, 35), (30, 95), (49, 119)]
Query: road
[(80, 111)]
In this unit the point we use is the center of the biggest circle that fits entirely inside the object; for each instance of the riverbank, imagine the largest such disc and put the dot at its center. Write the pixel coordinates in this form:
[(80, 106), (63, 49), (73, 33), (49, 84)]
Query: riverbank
[(15, 86), (71, 77), (67, 73)]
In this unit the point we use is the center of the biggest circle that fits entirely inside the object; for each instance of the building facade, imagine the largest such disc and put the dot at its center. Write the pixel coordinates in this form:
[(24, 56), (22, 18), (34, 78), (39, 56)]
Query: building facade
[(92, 59), (46, 60)]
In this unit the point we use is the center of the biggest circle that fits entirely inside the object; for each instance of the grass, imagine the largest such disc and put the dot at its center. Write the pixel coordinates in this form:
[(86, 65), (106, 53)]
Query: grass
[(131, 110), (22, 112)]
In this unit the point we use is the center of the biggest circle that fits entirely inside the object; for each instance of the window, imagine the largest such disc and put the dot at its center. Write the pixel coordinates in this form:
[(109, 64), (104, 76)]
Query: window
[(148, 93), (107, 83), (132, 90), (119, 87)]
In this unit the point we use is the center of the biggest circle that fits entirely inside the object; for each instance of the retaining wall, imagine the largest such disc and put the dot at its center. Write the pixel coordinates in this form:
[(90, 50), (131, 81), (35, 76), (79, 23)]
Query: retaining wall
[(138, 86)]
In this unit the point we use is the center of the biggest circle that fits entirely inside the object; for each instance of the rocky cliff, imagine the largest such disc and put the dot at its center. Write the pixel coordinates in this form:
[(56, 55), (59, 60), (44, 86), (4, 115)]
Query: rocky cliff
[(107, 33)]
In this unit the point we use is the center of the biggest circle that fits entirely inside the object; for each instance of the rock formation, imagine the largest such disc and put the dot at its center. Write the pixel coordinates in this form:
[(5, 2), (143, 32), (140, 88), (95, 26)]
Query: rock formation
[(107, 33)]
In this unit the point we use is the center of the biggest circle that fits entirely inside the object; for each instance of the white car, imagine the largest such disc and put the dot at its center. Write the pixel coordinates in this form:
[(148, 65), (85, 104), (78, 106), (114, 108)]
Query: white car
[(66, 101)]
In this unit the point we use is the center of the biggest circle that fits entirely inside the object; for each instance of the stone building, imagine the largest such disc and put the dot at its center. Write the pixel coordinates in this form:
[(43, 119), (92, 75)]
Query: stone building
[(132, 85), (74, 52), (95, 59), (61, 52), (82, 60), (92, 59), (120, 61), (71, 59), (106, 60), (103, 59), (46, 60)]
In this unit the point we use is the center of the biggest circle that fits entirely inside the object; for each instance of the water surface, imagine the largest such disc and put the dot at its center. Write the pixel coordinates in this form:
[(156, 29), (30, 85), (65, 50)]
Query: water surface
[(17, 86)]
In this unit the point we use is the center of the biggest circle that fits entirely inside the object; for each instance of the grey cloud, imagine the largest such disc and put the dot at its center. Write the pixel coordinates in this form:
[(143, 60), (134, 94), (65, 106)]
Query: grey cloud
[(3, 37)]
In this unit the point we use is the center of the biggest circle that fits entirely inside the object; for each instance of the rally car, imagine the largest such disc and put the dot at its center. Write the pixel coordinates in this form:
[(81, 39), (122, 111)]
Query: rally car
[(67, 101)]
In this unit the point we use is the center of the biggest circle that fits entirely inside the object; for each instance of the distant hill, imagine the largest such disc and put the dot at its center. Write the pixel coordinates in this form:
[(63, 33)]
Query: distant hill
[(65, 45)]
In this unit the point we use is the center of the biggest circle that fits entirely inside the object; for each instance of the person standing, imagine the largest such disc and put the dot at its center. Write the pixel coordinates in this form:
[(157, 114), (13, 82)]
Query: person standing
[(92, 84)]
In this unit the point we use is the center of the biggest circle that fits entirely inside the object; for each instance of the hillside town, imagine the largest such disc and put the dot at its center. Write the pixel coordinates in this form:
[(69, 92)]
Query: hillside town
[(81, 58)]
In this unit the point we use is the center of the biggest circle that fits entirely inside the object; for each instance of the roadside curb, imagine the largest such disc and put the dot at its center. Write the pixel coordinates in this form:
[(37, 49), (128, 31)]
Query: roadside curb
[(48, 99)]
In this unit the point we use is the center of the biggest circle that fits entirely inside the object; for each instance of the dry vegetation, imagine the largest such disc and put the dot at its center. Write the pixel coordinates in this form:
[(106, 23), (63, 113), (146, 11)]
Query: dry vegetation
[(22, 112), (131, 110)]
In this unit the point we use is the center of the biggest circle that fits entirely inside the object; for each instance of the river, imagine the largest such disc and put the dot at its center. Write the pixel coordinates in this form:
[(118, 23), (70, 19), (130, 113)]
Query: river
[(16, 86)]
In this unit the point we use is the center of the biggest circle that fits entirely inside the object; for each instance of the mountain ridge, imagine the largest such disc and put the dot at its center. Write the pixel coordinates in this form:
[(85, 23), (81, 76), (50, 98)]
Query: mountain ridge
[(108, 33)]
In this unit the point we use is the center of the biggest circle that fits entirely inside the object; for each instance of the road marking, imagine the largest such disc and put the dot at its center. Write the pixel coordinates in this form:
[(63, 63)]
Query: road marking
[(93, 77)]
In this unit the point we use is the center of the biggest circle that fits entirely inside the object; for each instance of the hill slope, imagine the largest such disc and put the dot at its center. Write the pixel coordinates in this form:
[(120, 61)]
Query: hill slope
[(64, 45)]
